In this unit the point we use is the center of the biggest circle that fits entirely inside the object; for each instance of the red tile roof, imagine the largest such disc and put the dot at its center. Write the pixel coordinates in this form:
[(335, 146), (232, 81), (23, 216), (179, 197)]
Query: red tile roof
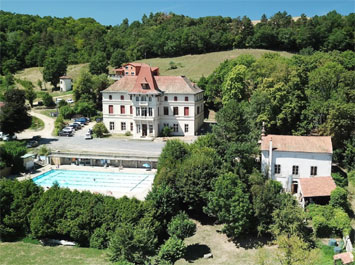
[(289, 143), (346, 257), (145, 76), (317, 186), (157, 84)]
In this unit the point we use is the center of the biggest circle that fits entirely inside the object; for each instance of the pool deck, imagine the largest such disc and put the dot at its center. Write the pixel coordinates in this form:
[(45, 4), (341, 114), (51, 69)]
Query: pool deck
[(137, 194)]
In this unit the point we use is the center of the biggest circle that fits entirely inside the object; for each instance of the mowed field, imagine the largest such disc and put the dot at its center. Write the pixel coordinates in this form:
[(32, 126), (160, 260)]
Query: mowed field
[(192, 66), (19, 253)]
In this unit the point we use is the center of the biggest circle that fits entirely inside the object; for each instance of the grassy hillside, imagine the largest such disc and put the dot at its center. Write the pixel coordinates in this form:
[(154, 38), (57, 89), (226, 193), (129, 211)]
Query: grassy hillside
[(34, 74), (193, 66)]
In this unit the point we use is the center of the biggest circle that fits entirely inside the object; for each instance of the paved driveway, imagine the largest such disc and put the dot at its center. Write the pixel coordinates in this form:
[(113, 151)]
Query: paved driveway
[(77, 143)]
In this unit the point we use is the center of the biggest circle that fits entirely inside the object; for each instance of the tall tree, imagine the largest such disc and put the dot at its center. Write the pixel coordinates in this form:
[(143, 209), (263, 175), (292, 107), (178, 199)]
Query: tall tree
[(98, 64), (54, 67), (230, 203), (13, 116)]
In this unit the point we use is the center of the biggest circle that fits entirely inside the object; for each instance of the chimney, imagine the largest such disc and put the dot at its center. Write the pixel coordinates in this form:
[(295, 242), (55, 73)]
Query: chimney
[(270, 158), (263, 130)]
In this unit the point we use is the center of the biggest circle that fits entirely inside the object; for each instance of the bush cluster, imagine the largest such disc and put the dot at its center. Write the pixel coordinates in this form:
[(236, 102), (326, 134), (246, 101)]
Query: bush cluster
[(328, 221)]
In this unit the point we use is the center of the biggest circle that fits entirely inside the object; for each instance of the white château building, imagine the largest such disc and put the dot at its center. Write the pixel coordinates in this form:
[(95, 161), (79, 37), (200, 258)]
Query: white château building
[(289, 158), (143, 103)]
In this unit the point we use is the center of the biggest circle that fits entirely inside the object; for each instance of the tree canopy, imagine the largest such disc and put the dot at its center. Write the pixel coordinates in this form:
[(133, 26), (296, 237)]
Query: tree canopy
[(13, 115), (28, 40)]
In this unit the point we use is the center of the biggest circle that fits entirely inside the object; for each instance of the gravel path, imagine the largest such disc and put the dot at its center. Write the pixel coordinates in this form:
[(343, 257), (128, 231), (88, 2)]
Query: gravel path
[(46, 132)]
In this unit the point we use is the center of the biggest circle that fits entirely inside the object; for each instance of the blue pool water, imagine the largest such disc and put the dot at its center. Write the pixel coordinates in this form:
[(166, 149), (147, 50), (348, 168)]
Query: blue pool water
[(91, 180)]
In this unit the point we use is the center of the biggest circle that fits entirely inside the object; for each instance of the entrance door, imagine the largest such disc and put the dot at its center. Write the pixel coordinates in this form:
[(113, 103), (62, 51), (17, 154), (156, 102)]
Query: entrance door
[(144, 129), (294, 188)]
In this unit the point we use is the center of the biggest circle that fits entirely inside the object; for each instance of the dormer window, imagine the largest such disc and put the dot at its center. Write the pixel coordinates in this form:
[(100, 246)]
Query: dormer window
[(145, 85)]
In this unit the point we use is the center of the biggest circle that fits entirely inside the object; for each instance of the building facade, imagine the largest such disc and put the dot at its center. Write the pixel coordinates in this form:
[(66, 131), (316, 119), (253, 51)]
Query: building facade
[(288, 158), (65, 83), (143, 103)]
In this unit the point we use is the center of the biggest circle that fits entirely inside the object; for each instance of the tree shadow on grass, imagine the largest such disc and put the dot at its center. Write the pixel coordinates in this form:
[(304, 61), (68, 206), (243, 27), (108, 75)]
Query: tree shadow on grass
[(196, 251), (250, 242)]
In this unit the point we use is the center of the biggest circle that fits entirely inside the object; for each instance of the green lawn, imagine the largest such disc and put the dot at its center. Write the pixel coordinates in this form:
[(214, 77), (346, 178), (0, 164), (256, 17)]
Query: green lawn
[(30, 254)]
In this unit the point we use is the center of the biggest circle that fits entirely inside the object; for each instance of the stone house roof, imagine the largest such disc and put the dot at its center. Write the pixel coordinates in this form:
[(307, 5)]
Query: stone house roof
[(290, 143), (317, 186)]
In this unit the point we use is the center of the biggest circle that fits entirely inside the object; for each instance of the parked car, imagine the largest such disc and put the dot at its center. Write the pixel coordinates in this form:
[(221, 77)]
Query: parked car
[(69, 101), (78, 123), (32, 143), (65, 133), (36, 138), (88, 136), (98, 119), (58, 100), (68, 129), (9, 137), (83, 120), (74, 126)]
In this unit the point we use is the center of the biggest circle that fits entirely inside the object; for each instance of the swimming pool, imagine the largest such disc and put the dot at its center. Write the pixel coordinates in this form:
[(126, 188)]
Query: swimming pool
[(93, 180)]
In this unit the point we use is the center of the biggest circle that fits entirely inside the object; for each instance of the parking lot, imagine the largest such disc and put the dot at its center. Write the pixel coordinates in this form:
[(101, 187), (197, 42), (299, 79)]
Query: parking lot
[(78, 143)]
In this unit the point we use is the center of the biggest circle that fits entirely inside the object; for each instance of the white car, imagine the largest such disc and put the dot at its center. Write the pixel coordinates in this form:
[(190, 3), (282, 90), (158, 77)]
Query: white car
[(69, 101), (58, 100), (88, 136), (8, 137), (68, 129)]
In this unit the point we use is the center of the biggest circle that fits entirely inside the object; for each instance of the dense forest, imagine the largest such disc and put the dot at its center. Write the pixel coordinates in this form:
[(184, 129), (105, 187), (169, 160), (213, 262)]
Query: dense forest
[(27, 40), (302, 95)]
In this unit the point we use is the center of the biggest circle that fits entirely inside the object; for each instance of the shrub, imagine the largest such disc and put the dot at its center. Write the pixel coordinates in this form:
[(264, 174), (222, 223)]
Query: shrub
[(62, 103), (340, 180), (340, 222), (132, 243), (172, 66), (100, 129), (321, 226), (48, 100), (59, 124), (66, 111), (166, 132), (128, 133), (181, 227), (328, 220), (339, 198), (100, 238), (85, 108), (172, 250), (44, 150)]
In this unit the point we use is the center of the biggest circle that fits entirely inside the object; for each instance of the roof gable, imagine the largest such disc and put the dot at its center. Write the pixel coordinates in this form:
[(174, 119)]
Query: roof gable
[(290, 143)]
